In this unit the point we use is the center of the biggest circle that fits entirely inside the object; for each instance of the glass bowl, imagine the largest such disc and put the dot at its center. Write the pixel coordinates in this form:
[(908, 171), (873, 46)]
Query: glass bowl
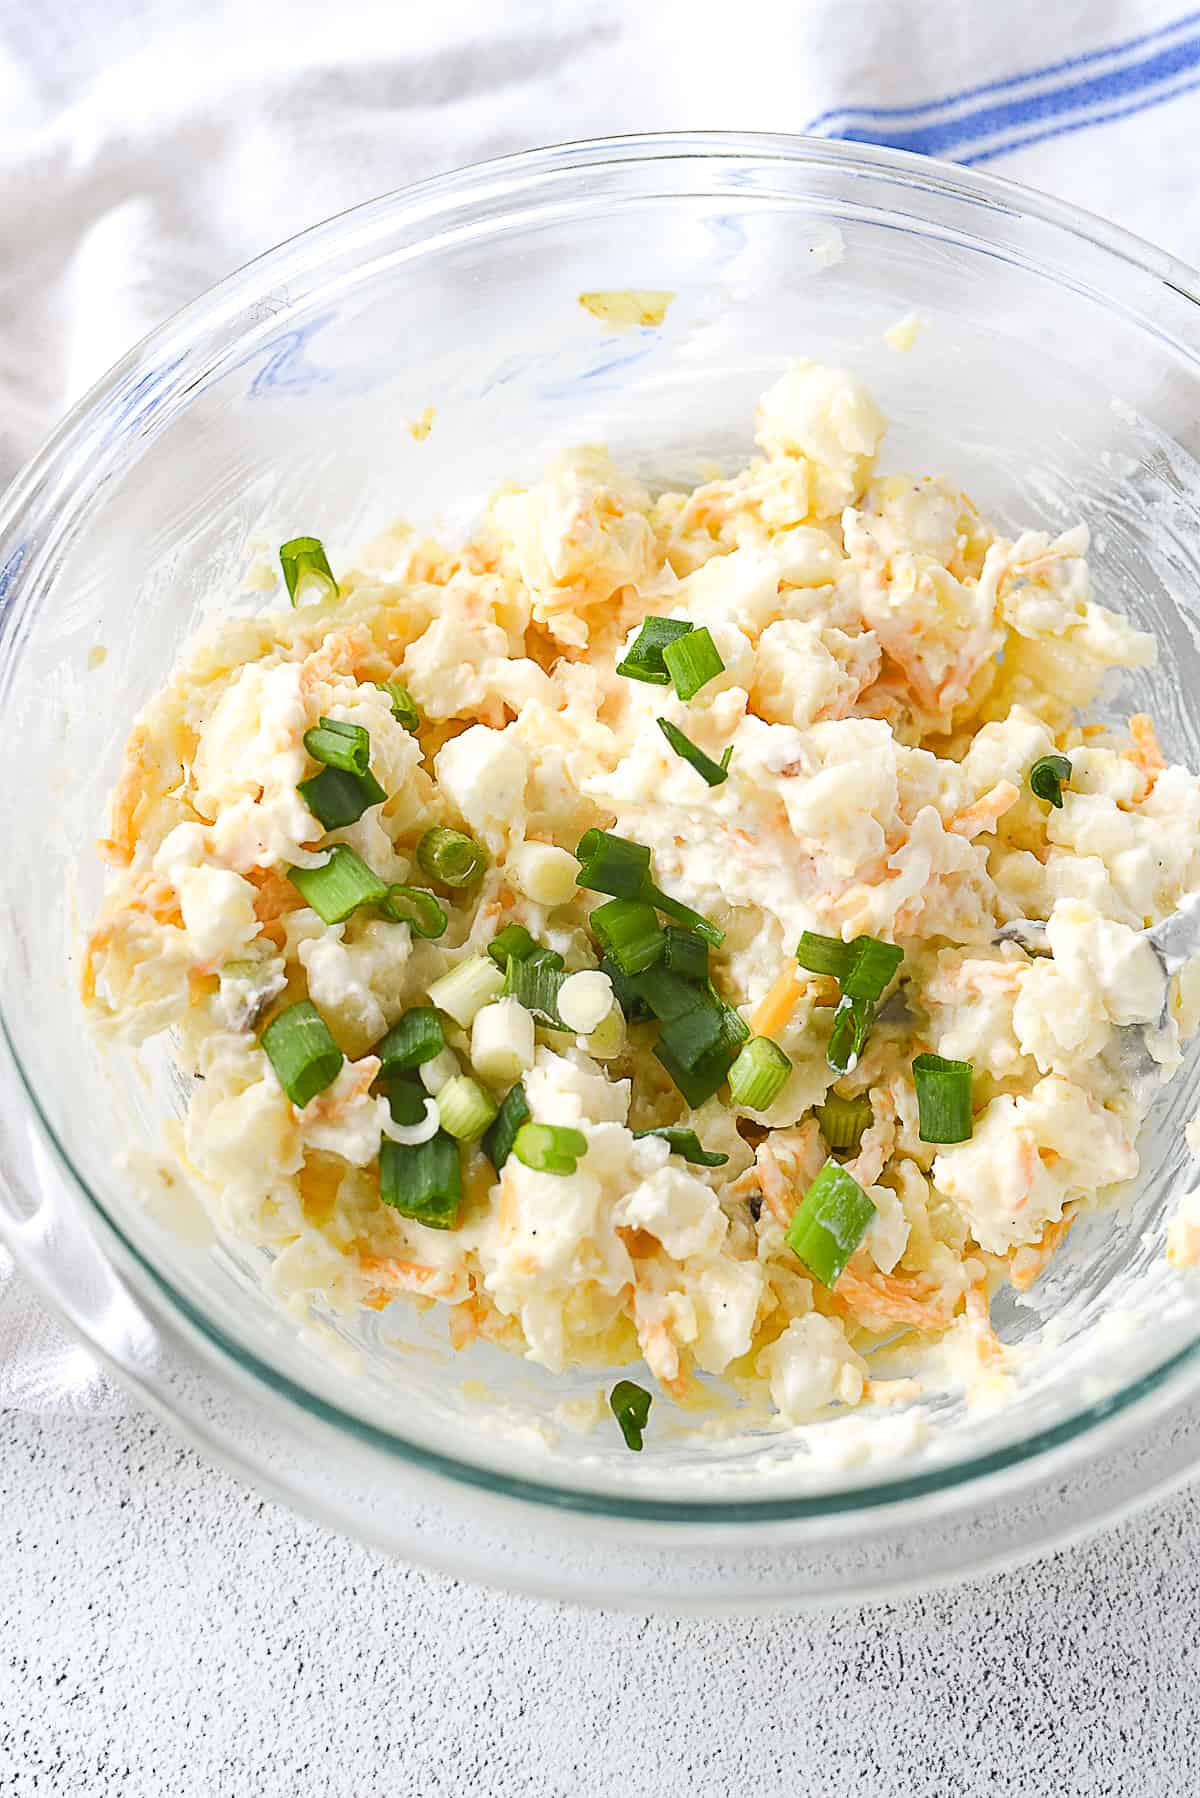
[(1056, 377)]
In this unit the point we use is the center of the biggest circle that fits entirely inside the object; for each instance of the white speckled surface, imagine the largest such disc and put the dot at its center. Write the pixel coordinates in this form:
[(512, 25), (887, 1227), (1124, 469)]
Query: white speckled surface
[(164, 1631)]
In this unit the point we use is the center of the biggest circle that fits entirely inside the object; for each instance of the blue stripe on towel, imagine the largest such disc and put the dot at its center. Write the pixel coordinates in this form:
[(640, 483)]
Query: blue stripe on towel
[(998, 87), (945, 137), (1099, 118)]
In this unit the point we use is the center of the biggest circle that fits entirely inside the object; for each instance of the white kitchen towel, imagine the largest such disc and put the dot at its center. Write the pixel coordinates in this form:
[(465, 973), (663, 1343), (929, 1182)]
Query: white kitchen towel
[(148, 147)]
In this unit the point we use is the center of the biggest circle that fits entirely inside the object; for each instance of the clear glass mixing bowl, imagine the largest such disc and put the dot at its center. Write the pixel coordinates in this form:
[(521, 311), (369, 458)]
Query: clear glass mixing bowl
[(1057, 378)]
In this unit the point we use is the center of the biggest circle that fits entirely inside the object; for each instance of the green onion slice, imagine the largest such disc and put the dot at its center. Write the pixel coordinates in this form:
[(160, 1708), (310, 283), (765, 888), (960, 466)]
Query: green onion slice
[(686, 1144), (339, 745), (464, 1109), (423, 1180), (338, 798), (534, 982), (669, 996), (699, 1082), (612, 864), (830, 1222), (1048, 776), (404, 706), (692, 661), (843, 1120), (549, 1148), (712, 773), (683, 914), (630, 1405), (449, 856), (758, 1075), (872, 966), (339, 886), (645, 658), (943, 1098), (301, 1049), (625, 992), (514, 943), (406, 1098), (417, 908), (501, 1134), (416, 1038), (629, 932), (304, 564), (851, 1026), (685, 954), (688, 1038), (824, 954)]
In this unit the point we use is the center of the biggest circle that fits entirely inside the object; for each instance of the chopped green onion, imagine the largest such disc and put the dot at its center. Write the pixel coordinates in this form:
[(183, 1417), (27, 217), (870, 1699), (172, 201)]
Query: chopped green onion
[(404, 706), (467, 988), (645, 658), (1048, 776), (712, 773), (423, 1180), (405, 1097), (683, 914), (339, 745), (501, 1134), (417, 908), (824, 954), (670, 996), (337, 798), (686, 954), (513, 943), (872, 966), (843, 1120), (851, 1026), (630, 1405), (734, 1032), (707, 1076), (943, 1098), (549, 1148), (464, 1109), (615, 865), (830, 1222), (339, 886), (726, 756), (301, 1049), (692, 661), (628, 932), (534, 982), (612, 864), (757, 1076), (304, 561), (625, 992), (684, 1143), (688, 1038), (449, 856), (417, 1037)]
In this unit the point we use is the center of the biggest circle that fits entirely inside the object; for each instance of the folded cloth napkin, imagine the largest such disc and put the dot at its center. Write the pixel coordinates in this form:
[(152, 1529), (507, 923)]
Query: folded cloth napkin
[(148, 147)]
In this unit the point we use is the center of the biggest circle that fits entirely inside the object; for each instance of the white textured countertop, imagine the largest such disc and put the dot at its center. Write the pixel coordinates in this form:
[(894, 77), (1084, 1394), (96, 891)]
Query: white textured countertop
[(164, 1631)]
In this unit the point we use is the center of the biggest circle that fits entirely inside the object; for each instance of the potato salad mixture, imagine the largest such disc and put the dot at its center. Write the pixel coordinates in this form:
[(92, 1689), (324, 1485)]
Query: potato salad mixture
[(692, 930)]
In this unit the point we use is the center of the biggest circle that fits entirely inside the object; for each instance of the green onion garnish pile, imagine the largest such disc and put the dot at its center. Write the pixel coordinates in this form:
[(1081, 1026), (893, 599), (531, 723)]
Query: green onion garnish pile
[(863, 970), (345, 788), (671, 651)]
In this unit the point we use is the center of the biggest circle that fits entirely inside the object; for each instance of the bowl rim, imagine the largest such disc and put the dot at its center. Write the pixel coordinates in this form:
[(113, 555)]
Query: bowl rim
[(184, 331)]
